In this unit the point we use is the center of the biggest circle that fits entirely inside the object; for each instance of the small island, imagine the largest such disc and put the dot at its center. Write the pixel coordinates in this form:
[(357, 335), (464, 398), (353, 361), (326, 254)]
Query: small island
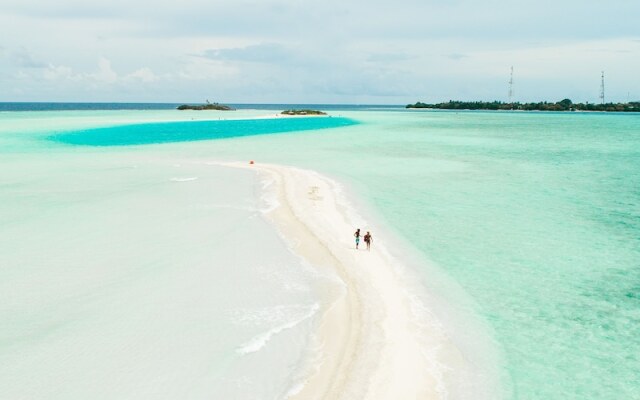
[(563, 105), (207, 106), (303, 112)]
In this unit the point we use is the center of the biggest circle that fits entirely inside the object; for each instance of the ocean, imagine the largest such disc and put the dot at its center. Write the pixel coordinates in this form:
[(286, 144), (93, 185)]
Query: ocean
[(527, 223)]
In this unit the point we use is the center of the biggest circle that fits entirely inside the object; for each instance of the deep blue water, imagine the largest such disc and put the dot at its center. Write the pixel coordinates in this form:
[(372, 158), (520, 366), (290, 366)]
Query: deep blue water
[(52, 106), (46, 106), (167, 132)]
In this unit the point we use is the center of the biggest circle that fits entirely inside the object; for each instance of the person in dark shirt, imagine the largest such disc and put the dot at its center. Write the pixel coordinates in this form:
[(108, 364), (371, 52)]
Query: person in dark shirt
[(367, 239)]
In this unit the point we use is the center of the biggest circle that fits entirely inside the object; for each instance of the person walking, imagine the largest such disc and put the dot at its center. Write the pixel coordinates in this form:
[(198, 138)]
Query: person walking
[(367, 239), (357, 235)]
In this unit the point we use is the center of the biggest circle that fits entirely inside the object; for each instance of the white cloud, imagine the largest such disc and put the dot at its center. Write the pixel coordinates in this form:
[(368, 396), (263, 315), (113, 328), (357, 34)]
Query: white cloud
[(23, 58), (105, 73), (199, 69), (58, 73), (263, 53), (456, 56), (336, 51), (143, 74)]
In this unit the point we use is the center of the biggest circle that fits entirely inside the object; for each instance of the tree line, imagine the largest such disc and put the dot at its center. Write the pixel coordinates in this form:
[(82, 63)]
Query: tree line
[(563, 105)]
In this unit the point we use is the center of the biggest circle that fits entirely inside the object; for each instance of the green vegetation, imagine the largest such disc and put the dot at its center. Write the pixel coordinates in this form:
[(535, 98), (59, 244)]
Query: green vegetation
[(303, 112), (207, 106), (563, 105)]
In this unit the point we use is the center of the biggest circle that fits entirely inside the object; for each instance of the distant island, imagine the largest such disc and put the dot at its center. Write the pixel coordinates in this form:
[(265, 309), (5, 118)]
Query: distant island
[(207, 106), (303, 112), (563, 105)]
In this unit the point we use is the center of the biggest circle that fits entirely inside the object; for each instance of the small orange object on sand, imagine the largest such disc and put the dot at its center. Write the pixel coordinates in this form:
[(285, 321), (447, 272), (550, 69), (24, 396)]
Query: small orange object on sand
[(251, 162)]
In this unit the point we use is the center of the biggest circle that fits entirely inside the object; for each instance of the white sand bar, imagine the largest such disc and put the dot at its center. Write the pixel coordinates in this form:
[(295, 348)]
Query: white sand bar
[(376, 341)]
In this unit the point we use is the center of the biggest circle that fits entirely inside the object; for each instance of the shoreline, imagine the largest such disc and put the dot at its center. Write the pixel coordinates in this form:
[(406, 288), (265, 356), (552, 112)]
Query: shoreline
[(375, 339), (96, 119)]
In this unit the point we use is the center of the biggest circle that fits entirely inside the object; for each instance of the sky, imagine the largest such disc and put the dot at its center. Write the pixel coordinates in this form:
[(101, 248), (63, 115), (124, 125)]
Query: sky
[(330, 51)]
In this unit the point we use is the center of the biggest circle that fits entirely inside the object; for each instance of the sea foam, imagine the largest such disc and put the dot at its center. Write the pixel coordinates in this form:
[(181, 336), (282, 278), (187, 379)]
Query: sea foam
[(189, 179), (261, 340)]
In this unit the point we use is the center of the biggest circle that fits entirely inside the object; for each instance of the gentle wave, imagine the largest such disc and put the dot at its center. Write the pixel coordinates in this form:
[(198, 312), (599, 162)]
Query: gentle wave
[(269, 198), (260, 341), (193, 178)]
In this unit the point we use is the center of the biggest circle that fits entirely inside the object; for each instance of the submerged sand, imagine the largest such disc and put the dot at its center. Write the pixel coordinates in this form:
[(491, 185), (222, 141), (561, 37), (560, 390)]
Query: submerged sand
[(376, 339)]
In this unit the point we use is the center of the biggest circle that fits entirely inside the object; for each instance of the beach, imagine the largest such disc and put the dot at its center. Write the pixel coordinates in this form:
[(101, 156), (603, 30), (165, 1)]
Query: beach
[(358, 336), (502, 263), (372, 343)]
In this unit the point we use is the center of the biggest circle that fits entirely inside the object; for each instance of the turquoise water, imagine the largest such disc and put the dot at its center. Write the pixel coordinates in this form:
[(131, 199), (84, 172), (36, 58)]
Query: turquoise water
[(535, 215), (131, 273), (182, 131)]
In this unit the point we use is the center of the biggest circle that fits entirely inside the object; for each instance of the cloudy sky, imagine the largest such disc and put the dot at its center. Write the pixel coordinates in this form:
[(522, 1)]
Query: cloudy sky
[(330, 51)]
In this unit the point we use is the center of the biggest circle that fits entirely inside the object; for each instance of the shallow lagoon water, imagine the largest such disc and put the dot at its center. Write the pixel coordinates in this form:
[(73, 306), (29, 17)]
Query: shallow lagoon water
[(187, 131), (535, 216), (133, 273)]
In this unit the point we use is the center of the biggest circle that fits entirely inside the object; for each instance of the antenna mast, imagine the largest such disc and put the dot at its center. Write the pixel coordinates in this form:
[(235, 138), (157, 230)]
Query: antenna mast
[(511, 86), (602, 88)]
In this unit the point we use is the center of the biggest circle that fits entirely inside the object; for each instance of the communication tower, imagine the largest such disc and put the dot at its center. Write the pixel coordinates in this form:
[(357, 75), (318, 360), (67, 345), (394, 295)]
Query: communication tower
[(511, 85), (602, 88)]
